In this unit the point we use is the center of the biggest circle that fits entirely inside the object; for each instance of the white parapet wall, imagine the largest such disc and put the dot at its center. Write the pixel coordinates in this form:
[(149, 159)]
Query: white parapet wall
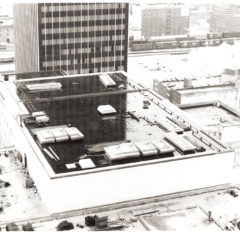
[(107, 187)]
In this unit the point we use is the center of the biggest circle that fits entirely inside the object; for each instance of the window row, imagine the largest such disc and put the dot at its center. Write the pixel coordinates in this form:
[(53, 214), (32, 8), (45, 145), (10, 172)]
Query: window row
[(99, 59), (83, 29), (56, 63), (82, 61), (89, 50), (101, 69), (82, 18), (81, 40), (87, 70), (79, 7)]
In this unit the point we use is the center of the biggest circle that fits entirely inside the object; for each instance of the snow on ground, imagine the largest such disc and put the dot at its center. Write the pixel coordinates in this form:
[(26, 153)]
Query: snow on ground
[(199, 61), (17, 201), (144, 69), (224, 207), (214, 59)]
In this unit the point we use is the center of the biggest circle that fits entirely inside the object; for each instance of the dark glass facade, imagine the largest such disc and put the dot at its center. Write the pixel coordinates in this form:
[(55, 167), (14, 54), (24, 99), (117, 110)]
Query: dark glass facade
[(81, 38)]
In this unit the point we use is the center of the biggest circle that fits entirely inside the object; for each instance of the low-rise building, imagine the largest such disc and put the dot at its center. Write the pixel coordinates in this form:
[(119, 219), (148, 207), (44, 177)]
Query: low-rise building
[(197, 89), (100, 139)]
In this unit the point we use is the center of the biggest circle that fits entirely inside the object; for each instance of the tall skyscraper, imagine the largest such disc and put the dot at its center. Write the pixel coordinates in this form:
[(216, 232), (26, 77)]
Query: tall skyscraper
[(76, 37), (225, 17), (164, 19)]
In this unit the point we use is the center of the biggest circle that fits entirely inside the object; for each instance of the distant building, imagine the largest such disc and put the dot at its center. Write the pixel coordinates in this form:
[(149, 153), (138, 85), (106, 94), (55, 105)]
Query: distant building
[(75, 37), (164, 19), (231, 74), (199, 19), (225, 18), (6, 30), (195, 90)]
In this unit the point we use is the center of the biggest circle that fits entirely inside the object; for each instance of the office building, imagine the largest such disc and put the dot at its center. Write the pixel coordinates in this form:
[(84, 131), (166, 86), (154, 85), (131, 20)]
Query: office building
[(164, 19), (75, 37), (6, 30), (225, 17)]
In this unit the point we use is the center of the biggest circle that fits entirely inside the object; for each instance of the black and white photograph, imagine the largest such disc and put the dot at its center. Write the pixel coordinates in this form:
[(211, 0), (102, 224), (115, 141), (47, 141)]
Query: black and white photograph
[(119, 116)]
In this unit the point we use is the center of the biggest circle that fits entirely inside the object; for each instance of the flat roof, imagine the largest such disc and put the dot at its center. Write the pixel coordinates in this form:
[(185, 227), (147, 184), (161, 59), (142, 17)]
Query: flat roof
[(213, 115), (75, 105), (177, 82), (218, 118), (193, 218)]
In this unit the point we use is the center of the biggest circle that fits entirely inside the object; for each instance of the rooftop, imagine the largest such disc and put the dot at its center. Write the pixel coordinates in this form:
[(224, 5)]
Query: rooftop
[(30, 75), (177, 82), (218, 118), (194, 219), (136, 130)]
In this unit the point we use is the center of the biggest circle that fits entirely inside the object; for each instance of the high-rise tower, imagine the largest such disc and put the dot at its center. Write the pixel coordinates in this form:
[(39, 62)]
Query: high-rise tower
[(75, 37)]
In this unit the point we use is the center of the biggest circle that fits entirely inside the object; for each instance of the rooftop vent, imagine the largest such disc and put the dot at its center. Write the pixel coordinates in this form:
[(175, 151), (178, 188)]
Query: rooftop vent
[(70, 165), (86, 163)]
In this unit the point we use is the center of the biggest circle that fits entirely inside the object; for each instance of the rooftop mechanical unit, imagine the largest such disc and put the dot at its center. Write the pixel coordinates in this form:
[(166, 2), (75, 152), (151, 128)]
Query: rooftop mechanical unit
[(70, 165), (107, 81), (45, 136), (163, 146), (74, 133), (60, 134), (180, 142), (38, 114), (121, 151), (106, 109), (44, 86), (146, 148), (86, 163), (168, 125), (181, 124), (42, 119)]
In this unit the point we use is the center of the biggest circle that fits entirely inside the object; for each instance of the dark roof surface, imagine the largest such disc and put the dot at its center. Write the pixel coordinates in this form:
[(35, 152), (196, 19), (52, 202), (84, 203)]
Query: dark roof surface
[(76, 105)]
